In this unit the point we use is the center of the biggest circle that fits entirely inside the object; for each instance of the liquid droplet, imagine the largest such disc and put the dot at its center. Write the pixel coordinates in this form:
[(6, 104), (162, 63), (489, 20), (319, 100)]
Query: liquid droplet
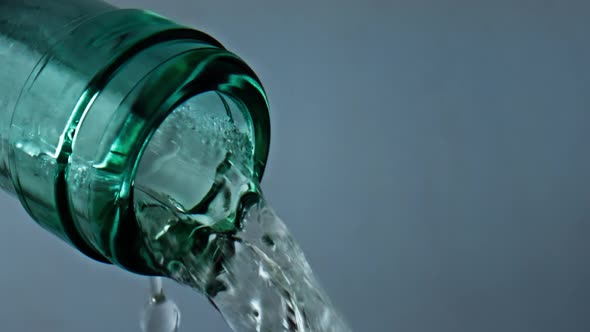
[(159, 314)]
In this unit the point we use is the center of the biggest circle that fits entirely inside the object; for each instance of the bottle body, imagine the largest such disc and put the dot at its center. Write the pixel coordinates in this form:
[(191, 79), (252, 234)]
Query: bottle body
[(27, 32), (84, 85)]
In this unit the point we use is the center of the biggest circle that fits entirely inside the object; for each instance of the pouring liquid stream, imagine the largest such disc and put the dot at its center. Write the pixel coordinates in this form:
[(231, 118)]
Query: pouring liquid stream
[(208, 226)]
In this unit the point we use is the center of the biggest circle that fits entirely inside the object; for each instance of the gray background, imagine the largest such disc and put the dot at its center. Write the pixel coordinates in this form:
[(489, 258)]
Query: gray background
[(430, 157)]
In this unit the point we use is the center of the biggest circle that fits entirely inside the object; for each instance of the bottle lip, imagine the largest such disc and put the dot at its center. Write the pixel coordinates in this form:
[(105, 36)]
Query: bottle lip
[(151, 100)]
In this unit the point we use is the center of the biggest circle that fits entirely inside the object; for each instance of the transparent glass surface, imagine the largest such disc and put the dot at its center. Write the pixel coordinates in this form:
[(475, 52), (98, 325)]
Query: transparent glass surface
[(83, 85)]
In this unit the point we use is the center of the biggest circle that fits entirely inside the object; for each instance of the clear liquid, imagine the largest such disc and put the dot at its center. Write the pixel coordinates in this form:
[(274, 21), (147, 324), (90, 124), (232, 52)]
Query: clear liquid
[(160, 314), (208, 226)]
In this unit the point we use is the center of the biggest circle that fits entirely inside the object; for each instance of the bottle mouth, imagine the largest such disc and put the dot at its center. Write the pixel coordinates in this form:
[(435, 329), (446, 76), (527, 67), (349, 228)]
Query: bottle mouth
[(192, 175), (220, 101), (179, 164), (216, 81)]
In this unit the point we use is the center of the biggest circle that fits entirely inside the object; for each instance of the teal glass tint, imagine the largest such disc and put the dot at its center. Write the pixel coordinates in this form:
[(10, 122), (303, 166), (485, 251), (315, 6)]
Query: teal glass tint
[(83, 87)]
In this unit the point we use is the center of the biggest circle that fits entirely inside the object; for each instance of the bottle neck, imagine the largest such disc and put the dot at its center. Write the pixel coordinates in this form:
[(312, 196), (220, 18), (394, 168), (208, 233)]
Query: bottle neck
[(88, 108)]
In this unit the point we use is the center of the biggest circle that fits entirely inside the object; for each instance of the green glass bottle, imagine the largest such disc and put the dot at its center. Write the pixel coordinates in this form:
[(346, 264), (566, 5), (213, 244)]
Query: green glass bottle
[(84, 83)]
